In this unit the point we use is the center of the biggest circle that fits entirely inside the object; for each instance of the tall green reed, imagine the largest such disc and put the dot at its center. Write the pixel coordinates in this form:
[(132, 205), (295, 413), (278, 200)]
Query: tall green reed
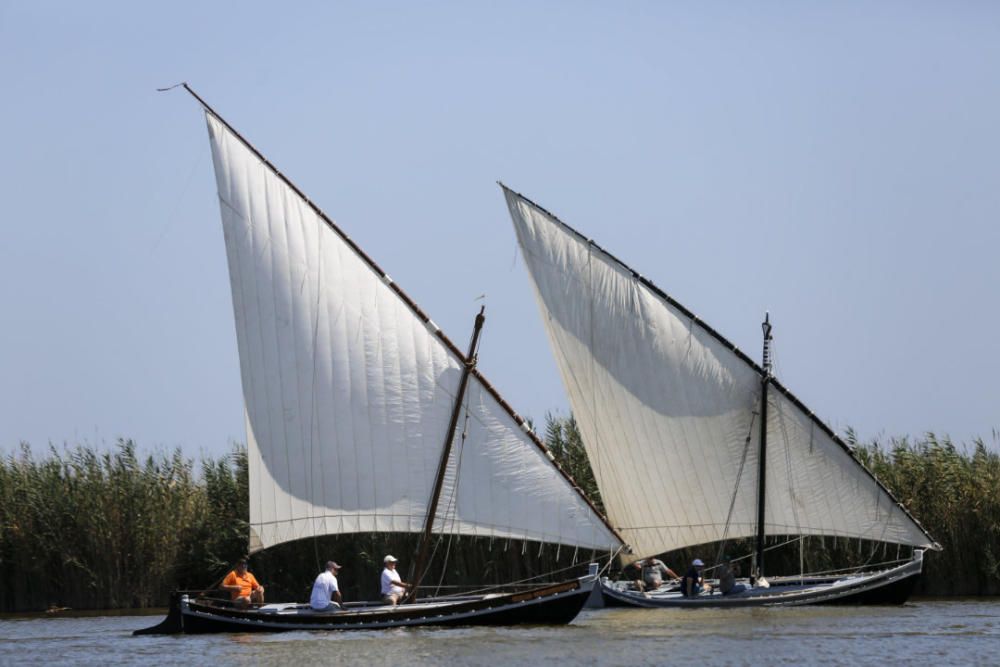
[(91, 529)]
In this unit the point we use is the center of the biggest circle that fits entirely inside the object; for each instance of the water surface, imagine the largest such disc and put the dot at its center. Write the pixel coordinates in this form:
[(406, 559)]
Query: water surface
[(919, 633)]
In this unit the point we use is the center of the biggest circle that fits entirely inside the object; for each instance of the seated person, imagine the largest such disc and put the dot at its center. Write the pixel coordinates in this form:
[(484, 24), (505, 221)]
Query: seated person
[(651, 573), (392, 586), (326, 593), (693, 582), (728, 572), (243, 586)]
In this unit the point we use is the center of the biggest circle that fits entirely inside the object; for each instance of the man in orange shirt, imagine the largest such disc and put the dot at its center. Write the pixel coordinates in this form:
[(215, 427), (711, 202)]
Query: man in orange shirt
[(243, 586)]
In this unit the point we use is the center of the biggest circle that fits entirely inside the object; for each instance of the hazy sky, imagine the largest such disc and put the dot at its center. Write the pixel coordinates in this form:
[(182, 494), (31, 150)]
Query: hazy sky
[(835, 163)]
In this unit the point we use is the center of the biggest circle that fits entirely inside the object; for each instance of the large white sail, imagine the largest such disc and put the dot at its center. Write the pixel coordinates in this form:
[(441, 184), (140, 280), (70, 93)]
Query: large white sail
[(349, 389), (668, 411)]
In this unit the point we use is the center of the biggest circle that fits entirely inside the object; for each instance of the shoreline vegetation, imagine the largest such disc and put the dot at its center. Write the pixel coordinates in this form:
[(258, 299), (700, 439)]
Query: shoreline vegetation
[(87, 529)]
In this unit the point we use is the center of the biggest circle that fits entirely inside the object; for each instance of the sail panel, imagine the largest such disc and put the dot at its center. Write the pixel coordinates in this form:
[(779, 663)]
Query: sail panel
[(668, 409), (349, 391), (514, 483), (815, 487)]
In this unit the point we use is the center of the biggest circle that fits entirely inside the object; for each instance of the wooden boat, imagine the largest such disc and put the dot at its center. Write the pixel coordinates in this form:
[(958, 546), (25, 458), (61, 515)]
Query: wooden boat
[(353, 400), (675, 420), (553, 604), (891, 586)]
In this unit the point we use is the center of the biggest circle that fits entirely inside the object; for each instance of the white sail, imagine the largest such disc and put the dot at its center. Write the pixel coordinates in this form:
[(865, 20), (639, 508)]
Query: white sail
[(349, 389), (668, 411)]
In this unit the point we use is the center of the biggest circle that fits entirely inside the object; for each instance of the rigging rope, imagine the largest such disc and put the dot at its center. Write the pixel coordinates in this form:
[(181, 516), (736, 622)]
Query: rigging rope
[(314, 421), (788, 478), (453, 498), (539, 576), (736, 489), (452, 502), (598, 444)]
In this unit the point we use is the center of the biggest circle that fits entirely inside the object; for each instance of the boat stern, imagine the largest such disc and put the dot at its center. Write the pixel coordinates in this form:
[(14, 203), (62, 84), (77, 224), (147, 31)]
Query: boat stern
[(173, 624)]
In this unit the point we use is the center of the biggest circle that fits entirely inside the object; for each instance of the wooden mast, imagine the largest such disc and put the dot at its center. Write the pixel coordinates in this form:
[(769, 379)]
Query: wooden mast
[(425, 542), (762, 460)]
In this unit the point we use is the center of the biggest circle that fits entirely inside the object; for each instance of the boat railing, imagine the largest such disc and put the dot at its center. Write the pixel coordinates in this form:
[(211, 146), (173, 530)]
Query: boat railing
[(457, 593)]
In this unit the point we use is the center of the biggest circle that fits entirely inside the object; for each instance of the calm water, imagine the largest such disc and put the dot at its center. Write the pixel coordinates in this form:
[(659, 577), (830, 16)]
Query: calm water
[(920, 633)]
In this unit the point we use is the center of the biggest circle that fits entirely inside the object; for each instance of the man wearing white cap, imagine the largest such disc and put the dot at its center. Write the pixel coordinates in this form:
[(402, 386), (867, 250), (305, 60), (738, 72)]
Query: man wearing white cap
[(692, 583), (326, 592), (393, 587)]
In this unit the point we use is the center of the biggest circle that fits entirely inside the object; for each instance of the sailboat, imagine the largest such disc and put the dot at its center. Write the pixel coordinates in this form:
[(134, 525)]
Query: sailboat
[(363, 416), (692, 442)]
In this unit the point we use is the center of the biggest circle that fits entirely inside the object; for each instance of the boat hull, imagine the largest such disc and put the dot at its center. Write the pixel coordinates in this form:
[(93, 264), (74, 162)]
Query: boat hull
[(556, 604), (886, 587)]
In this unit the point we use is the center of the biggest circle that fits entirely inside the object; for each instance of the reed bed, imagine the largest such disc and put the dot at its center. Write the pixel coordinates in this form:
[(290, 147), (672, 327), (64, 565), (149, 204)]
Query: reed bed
[(954, 491), (90, 530), (86, 529)]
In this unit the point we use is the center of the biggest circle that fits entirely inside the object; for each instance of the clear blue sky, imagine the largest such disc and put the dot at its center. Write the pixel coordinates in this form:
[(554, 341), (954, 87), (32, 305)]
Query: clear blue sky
[(835, 163)]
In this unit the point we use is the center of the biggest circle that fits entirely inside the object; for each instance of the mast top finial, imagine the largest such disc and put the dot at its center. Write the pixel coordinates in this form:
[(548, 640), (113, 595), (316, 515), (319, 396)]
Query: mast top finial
[(766, 326)]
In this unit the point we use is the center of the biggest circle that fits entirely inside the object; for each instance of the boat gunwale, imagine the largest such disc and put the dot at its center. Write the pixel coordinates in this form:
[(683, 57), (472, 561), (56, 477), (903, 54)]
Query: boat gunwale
[(382, 616), (802, 595)]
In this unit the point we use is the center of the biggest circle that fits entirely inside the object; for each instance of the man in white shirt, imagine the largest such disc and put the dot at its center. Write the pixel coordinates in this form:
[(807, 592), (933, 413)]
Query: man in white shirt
[(326, 592), (393, 588)]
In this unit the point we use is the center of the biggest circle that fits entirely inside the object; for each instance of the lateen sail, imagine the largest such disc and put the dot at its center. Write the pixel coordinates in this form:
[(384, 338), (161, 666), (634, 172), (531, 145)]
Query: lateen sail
[(667, 411), (348, 389)]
